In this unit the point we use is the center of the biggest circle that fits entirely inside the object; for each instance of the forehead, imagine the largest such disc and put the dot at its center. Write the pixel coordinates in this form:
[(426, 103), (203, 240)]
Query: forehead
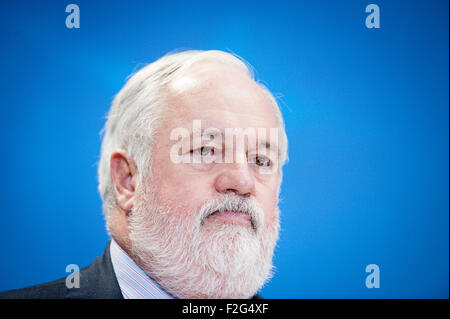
[(219, 94)]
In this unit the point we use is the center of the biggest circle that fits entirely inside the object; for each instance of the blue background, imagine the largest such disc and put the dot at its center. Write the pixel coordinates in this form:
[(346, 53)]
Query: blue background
[(366, 110)]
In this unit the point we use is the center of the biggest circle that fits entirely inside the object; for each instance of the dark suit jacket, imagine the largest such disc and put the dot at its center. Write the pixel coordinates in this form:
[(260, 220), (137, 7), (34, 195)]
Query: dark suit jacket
[(97, 281)]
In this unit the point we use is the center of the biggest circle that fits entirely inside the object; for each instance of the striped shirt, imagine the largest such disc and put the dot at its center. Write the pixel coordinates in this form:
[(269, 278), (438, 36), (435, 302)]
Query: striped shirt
[(133, 281)]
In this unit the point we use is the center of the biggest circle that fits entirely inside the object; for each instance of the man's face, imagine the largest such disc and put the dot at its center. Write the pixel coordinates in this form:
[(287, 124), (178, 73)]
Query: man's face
[(221, 97), (228, 250)]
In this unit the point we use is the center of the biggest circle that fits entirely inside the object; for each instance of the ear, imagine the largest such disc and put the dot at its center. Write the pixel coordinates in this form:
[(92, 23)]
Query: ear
[(123, 176)]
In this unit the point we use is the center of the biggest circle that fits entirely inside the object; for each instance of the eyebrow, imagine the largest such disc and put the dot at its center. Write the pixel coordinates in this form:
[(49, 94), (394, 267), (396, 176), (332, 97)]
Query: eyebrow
[(265, 144), (215, 134)]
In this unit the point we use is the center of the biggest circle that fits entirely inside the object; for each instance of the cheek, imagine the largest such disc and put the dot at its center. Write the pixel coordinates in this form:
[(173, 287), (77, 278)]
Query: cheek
[(177, 191), (271, 224), (179, 186), (269, 204), (271, 216), (168, 180)]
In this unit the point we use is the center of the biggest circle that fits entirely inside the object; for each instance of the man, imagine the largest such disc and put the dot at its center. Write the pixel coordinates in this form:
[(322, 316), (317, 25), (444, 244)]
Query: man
[(190, 175)]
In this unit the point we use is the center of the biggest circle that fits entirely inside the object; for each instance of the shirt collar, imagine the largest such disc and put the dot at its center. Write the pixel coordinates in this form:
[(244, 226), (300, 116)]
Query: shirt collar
[(133, 281)]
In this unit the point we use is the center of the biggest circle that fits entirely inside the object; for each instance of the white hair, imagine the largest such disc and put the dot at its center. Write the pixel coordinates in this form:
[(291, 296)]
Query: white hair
[(191, 259), (138, 108)]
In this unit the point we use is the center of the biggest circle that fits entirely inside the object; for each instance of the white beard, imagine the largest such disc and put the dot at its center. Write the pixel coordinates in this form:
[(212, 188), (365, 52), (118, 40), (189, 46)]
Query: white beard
[(192, 259)]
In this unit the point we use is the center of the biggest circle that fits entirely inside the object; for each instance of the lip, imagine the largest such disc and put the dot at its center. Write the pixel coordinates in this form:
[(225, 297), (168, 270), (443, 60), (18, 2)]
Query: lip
[(233, 217)]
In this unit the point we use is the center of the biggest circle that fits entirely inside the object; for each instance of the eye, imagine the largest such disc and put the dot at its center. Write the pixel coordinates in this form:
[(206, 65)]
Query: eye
[(204, 150), (262, 161)]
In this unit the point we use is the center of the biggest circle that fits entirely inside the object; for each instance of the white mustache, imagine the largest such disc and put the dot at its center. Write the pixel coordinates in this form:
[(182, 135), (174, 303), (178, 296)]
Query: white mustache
[(233, 203)]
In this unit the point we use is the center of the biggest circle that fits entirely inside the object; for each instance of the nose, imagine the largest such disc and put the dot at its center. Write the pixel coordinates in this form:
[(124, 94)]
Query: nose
[(235, 178)]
